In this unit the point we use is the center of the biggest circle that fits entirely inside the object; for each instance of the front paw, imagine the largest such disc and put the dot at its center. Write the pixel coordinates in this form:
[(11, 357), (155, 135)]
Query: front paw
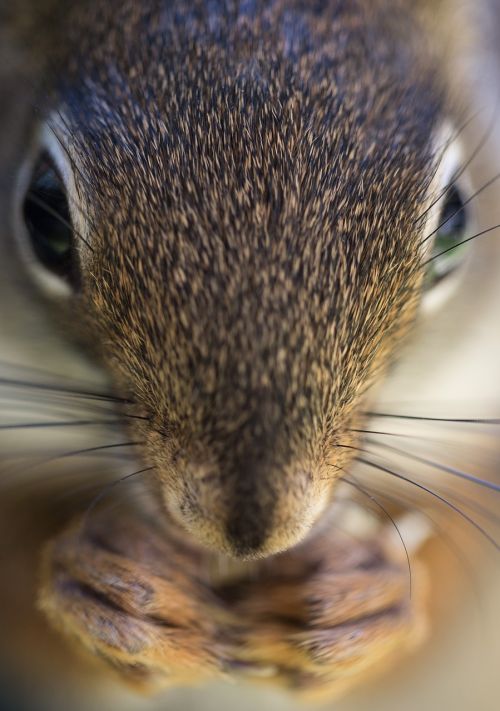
[(317, 619), (134, 600), (327, 616)]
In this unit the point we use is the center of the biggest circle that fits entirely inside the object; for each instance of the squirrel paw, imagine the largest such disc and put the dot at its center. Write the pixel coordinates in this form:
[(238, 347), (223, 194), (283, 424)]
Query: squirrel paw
[(135, 600), (329, 615), (316, 619)]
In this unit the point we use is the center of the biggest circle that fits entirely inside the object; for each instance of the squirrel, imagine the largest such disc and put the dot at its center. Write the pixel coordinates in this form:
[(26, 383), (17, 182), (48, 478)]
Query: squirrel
[(235, 210)]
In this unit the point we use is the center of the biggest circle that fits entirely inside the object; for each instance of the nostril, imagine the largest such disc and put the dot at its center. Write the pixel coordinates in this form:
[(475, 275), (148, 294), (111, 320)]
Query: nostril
[(246, 533)]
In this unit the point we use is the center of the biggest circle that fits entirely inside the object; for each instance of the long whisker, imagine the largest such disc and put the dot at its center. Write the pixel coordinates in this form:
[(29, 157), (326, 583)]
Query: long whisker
[(459, 244), (448, 540), (433, 493), (31, 197), (352, 482), (87, 488), (56, 408), (49, 374), (85, 181), (452, 495), (442, 467), (106, 490), (86, 394), (468, 421), (461, 208), (383, 433), (71, 160), (86, 217), (472, 504), (461, 169), (59, 409), (62, 404), (86, 451), (64, 423)]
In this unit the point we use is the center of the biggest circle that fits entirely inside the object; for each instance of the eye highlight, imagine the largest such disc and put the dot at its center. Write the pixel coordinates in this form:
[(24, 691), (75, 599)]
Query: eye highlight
[(48, 222), (448, 252)]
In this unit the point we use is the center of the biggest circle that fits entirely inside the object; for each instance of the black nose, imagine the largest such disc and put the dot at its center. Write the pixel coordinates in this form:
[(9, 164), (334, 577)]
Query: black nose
[(247, 528)]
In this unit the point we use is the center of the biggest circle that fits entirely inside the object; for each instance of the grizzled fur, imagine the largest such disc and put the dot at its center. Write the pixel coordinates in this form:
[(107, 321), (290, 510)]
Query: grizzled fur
[(251, 175)]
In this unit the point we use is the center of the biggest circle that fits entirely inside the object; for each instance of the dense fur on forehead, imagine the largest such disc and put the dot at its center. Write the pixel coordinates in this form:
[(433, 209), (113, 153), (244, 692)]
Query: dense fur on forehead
[(253, 171)]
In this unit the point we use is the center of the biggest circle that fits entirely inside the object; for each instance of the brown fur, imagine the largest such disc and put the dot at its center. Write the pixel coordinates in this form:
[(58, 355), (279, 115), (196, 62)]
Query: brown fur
[(249, 273), (251, 176)]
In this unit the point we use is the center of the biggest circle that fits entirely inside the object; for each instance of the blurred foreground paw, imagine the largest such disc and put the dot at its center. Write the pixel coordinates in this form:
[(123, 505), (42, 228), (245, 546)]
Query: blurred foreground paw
[(318, 619), (134, 599), (329, 616)]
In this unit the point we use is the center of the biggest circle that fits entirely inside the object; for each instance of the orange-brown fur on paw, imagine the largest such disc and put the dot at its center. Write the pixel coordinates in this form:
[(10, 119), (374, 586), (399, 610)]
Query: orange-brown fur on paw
[(316, 619)]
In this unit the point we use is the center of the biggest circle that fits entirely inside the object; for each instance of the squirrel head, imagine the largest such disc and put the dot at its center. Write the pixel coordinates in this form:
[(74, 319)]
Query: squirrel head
[(248, 179)]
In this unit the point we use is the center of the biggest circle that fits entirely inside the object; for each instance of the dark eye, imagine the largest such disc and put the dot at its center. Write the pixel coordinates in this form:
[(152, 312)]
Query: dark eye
[(48, 221), (448, 250)]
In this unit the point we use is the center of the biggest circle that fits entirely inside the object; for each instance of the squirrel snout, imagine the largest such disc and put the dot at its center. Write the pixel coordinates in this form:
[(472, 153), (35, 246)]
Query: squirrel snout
[(248, 515)]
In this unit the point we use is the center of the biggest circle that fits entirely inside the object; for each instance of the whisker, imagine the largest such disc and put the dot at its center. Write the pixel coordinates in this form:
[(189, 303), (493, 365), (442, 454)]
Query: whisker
[(447, 539), (89, 477), (459, 244), (62, 404), (470, 503), (74, 165), (31, 197), (433, 493), (63, 391), (106, 490), (461, 208), (461, 169), (86, 217), (56, 409), (100, 448), (467, 503), (86, 451), (468, 421), (89, 487), (85, 181), (442, 467), (30, 369), (63, 423), (388, 434), (33, 385), (352, 482)]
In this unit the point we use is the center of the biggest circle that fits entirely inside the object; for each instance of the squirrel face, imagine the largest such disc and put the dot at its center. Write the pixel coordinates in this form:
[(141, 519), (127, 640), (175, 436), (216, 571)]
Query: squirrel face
[(247, 181)]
